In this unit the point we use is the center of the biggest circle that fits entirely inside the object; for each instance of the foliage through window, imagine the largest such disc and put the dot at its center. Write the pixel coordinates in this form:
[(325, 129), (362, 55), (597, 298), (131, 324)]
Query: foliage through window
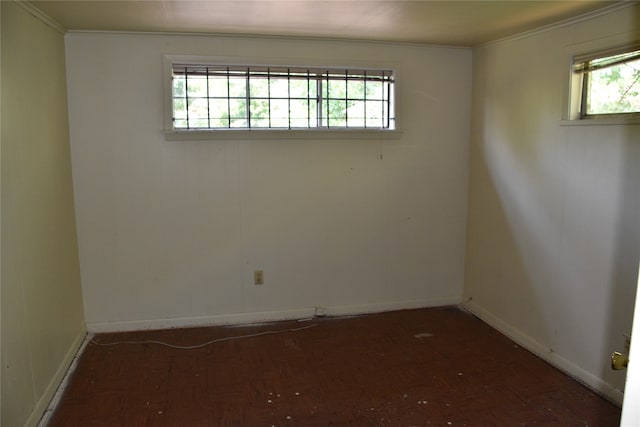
[(243, 97), (610, 83)]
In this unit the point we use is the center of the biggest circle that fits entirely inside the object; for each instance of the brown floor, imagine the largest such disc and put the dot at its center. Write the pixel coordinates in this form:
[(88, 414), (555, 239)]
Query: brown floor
[(435, 367)]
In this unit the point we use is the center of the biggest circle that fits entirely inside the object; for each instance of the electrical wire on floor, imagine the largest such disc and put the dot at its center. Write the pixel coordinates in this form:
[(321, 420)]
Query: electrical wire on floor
[(191, 347)]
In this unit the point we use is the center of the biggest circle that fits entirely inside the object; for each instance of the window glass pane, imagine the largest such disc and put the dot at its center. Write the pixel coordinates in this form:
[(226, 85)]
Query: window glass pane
[(180, 124), (199, 123), (357, 122), (374, 90), (238, 123), (300, 108), (374, 109), (218, 87), (238, 108), (303, 113), (220, 122), (337, 88), (333, 122), (337, 109), (301, 123), (218, 108), (259, 123), (279, 88), (355, 89), (375, 113), (355, 114), (279, 109), (374, 123), (197, 86), (258, 87), (179, 108), (385, 115), (279, 122), (300, 88), (198, 108), (614, 89), (313, 89), (237, 87), (179, 86), (259, 109), (325, 112)]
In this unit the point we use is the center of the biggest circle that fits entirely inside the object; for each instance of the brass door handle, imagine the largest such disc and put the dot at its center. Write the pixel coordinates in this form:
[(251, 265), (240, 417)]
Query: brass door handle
[(619, 361)]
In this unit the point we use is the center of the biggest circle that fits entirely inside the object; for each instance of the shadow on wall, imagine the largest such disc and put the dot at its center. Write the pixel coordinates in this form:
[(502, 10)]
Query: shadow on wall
[(563, 207), (627, 250), (525, 160)]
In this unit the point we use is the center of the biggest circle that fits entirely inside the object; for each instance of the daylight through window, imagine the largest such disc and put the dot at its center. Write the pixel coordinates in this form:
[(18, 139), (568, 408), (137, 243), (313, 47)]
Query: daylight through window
[(241, 97), (610, 83)]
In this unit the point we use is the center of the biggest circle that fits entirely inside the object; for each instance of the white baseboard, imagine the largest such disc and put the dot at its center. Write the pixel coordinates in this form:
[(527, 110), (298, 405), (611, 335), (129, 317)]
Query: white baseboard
[(547, 354), (264, 316), (196, 321), (43, 403), (347, 310)]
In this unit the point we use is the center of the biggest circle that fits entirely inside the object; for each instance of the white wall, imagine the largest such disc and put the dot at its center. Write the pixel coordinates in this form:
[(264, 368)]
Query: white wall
[(42, 322), (554, 211), (170, 232)]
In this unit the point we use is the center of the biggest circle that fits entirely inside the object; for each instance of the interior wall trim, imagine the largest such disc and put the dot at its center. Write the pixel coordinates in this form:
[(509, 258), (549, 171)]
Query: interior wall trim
[(37, 13), (262, 37), (588, 379), (43, 403), (267, 316), (57, 396), (564, 23)]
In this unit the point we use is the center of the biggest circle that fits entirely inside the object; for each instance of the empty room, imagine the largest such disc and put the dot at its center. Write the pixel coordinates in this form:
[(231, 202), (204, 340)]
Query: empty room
[(365, 213)]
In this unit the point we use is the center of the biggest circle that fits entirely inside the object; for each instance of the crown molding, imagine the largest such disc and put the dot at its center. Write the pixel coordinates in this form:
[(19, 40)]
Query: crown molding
[(624, 4), (37, 13)]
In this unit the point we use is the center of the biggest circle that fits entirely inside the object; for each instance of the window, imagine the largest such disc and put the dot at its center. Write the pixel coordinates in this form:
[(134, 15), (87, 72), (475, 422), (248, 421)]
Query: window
[(213, 97), (607, 83)]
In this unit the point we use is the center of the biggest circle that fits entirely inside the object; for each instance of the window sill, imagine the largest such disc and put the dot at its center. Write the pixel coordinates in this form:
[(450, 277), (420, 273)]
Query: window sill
[(279, 134), (600, 121)]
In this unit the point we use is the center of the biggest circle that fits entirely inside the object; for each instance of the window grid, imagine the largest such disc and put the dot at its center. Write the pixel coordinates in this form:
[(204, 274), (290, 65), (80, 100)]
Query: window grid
[(289, 98), (208, 103), (247, 86), (365, 91), (330, 102), (228, 95), (269, 94)]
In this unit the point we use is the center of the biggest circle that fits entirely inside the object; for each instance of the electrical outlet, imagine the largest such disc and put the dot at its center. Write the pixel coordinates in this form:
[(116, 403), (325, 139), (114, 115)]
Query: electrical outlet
[(258, 277)]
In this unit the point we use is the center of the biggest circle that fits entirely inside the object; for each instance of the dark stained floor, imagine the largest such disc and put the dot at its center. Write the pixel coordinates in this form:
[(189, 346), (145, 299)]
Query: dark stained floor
[(427, 367)]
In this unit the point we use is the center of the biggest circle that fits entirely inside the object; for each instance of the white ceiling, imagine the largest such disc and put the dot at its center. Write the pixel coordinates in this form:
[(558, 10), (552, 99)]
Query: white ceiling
[(462, 23)]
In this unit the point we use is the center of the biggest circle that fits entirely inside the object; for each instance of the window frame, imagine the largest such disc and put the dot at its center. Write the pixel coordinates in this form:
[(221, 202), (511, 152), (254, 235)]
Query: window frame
[(579, 87), (172, 133)]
